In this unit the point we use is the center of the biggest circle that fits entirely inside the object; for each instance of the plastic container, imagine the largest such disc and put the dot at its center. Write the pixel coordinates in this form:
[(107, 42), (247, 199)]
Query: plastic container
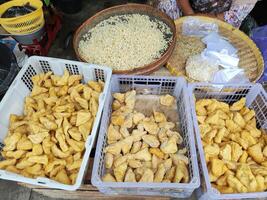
[(24, 24), (156, 86), (256, 99), (13, 101)]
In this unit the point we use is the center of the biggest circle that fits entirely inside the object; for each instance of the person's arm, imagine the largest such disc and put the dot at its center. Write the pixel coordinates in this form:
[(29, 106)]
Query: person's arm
[(185, 7)]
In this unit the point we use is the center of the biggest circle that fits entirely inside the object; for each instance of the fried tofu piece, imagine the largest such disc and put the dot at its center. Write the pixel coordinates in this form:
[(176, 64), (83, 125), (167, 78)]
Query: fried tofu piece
[(151, 140), (157, 152), (113, 134), (237, 106), (181, 173), (249, 115), (130, 98), (119, 97), (218, 167), (226, 152), (134, 163), (129, 176), (234, 183), (167, 100), (82, 117), (151, 127), (238, 119), (119, 172), (137, 117), (63, 177), (148, 176), (255, 152), (126, 144), (245, 176), (109, 160), (136, 147), (159, 175), (159, 117), (143, 155), (108, 178), (117, 120), (236, 151), (5, 163), (169, 146)]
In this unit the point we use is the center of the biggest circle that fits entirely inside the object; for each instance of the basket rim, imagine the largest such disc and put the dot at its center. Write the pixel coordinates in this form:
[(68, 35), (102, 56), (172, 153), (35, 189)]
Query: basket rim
[(49, 183), (203, 165), (38, 3), (195, 180), (257, 54), (153, 66)]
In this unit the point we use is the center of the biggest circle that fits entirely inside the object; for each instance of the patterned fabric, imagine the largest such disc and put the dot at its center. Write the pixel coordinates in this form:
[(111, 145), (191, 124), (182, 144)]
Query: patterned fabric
[(235, 11), (170, 7), (211, 6)]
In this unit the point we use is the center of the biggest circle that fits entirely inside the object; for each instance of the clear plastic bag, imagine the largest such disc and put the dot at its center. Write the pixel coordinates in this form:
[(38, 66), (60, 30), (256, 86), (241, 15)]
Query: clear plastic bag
[(216, 42), (231, 75), (221, 58), (220, 50), (196, 27)]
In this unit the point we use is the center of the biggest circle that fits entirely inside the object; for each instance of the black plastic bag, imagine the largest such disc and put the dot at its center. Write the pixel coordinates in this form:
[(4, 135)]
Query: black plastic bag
[(16, 11)]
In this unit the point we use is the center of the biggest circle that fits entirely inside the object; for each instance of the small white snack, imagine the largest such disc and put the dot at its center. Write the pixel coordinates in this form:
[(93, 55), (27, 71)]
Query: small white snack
[(200, 69)]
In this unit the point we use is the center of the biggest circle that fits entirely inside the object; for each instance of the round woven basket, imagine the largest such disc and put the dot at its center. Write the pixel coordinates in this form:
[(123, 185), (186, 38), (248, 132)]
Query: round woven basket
[(250, 57), (130, 8)]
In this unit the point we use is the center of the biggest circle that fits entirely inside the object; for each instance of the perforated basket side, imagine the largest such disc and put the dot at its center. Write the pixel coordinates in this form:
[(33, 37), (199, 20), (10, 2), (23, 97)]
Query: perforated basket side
[(145, 84), (187, 131), (27, 77), (229, 93), (22, 85), (156, 86), (258, 102)]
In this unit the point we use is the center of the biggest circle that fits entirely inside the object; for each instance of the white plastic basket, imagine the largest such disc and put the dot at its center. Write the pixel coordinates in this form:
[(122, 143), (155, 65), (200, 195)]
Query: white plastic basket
[(13, 101), (155, 86), (256, 99)]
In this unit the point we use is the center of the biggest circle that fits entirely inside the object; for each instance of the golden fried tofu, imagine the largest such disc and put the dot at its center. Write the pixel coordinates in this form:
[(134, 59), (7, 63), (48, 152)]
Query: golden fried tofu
[(119, 172), (167, 100), (129, 176), (108, 178), (237, 106), (148, 176), (255, 152), (169, 146)]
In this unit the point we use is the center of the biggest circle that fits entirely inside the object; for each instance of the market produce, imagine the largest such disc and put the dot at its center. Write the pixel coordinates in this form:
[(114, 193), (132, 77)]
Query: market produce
[(186, 46), (48, 140), (235, 149), (125, 42), (143, 148), (200, 69)]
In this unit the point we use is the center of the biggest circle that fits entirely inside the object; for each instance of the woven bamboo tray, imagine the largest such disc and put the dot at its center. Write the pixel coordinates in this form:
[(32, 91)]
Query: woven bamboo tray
[(250, 56)]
